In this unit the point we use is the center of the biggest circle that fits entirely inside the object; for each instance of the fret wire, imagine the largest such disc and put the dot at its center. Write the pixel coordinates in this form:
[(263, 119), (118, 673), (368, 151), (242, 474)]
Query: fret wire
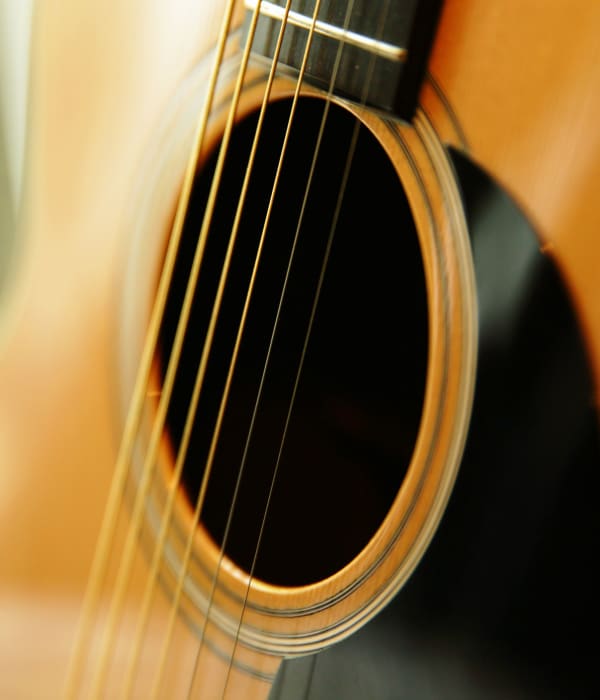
[(374, 46)]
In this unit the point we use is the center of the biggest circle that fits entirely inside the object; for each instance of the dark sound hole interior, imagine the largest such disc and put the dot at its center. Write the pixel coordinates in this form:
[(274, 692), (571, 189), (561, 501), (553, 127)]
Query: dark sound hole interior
[(356, 410)]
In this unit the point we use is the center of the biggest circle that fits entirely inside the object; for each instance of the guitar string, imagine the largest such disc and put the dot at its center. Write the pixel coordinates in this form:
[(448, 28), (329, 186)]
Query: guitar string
[(143, 617), (109, 522), (191, 412), (294, 392), (136, 518), (307, 190), (334, 226), (333, 229)]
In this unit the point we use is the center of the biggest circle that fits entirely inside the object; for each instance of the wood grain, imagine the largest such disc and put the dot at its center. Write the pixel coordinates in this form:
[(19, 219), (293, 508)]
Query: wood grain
[(523, 82)]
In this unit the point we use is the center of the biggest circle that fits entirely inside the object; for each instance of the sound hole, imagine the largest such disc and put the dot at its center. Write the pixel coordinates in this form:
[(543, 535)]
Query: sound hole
[(342, 455)]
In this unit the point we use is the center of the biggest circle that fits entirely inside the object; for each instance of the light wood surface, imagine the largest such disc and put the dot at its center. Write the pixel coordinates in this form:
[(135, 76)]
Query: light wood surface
[(524, 83), (101, 77)]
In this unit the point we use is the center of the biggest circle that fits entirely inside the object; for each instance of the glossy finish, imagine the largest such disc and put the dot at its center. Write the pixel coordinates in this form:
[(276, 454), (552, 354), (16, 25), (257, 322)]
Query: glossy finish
[(526, 95)]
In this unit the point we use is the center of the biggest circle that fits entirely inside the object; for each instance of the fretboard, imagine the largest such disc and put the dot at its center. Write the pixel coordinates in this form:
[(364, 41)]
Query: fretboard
[(372, 52)]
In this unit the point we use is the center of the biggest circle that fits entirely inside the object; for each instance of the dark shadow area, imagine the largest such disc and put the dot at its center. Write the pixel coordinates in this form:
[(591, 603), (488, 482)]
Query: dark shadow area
[(340, 458), (504, 603)]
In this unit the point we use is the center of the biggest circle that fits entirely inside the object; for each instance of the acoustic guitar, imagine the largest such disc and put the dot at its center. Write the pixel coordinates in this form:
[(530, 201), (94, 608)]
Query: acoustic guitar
[(302, 334)]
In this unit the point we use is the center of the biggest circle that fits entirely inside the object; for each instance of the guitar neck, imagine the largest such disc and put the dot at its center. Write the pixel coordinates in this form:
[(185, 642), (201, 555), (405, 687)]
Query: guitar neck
[(372, 53)]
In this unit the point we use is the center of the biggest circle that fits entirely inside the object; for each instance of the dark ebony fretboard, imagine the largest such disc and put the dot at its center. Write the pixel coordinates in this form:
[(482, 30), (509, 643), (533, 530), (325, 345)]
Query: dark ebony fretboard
[(384, 46)]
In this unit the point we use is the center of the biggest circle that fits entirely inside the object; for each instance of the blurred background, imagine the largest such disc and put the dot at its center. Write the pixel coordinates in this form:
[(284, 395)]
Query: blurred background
[(15, 31)]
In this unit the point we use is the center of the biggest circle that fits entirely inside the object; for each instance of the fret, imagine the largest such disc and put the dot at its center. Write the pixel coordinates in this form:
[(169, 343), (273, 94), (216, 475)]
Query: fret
[(384, 47), (361, 41)]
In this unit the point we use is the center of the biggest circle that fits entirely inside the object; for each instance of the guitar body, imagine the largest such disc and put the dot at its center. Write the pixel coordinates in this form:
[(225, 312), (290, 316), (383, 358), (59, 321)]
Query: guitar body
[(521, 99)]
